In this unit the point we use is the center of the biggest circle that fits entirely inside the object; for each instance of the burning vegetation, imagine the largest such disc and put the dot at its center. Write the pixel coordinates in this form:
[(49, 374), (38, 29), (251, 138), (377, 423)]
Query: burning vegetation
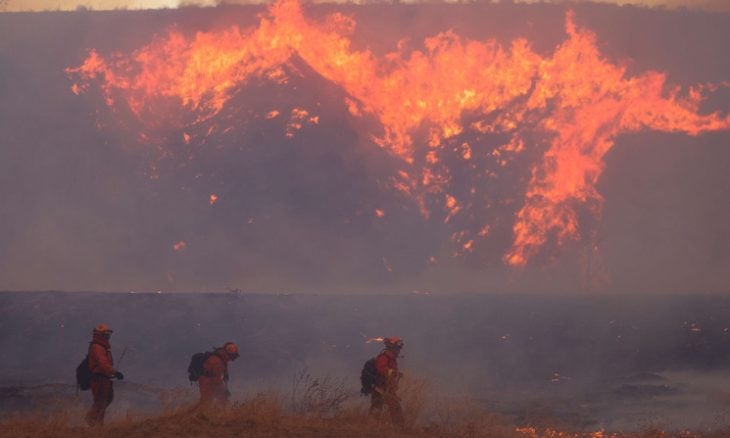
[(458, 114), (267, 415), (455, 119)]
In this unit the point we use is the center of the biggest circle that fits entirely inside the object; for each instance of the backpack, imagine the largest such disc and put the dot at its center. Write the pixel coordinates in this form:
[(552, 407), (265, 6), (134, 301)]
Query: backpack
[(369, 377), (83, 375), (195, 369)]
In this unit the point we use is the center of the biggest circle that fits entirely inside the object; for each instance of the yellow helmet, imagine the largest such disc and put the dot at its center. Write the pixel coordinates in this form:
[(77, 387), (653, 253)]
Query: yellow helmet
[(102, 328)]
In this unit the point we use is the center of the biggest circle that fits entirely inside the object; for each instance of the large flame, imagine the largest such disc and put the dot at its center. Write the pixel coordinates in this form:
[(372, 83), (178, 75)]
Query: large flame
[(576, 100)]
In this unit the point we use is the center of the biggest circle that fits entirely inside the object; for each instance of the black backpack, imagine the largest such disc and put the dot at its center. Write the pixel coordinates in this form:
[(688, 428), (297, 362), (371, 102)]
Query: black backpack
[(369, 377), (83, 375), (195, 369)]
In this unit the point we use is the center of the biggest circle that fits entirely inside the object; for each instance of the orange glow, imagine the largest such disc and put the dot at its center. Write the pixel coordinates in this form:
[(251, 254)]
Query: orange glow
[(484, 231), (532, 432), (597, 103), (575, 99), (379, 213), (452, 206), (297, 120), (179, 246), (213, 198), (386, 265), (466, 151)]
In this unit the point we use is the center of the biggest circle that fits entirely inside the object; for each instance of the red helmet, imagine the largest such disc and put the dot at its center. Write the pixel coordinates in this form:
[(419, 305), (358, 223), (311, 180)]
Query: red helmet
[(231, 349), (393, 342)]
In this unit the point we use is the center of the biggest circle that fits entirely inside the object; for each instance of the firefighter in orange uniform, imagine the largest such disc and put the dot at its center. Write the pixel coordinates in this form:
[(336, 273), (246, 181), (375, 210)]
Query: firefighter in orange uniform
[(213, 383), (101, 366), (385, 392)]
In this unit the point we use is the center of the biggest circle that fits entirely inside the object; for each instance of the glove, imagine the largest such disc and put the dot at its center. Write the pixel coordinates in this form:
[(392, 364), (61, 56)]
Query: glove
[(119, 375)]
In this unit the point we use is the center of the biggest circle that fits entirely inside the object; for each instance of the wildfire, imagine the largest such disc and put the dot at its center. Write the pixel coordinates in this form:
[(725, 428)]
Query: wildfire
[(213, 199), (179, 246), (297, 120), (572, 103), (532, 432)]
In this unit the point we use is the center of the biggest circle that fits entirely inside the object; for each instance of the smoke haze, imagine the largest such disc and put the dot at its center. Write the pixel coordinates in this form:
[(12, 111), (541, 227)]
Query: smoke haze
[(86, 205), (617, 362)]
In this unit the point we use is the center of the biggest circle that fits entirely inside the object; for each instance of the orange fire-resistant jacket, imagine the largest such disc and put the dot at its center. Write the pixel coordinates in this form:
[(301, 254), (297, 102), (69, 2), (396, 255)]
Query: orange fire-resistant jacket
[(387, 366), (212, 382), (100, 356)]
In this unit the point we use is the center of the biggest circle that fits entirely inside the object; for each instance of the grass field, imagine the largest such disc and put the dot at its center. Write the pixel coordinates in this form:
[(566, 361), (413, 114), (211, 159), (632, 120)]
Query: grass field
[(313, 408)]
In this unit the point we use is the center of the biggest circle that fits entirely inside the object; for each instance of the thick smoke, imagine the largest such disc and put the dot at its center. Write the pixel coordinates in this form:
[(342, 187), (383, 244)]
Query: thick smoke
[(86, 205)]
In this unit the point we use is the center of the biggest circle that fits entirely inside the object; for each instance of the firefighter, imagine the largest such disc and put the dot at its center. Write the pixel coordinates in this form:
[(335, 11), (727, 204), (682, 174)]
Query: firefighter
[(385, 392), (213, 383), (101, 366)]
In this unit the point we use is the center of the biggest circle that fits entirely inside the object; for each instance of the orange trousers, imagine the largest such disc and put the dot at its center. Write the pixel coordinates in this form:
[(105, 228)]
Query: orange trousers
[(383, 398), (212, 390), (103, 391)]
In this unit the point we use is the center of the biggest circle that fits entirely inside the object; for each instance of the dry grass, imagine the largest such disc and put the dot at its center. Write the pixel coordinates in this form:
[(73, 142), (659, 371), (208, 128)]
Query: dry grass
[(315, 407), (317, 395), (464, 418), (261, 416)]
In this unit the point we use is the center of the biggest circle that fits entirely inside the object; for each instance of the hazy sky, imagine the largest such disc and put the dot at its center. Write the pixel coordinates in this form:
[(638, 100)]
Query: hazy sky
[(39, 5)]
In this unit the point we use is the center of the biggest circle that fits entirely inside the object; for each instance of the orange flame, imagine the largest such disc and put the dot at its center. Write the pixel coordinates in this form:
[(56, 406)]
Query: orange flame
[(297, 120), (179, 246), (532, 432), (575, 98), (597, 103)]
